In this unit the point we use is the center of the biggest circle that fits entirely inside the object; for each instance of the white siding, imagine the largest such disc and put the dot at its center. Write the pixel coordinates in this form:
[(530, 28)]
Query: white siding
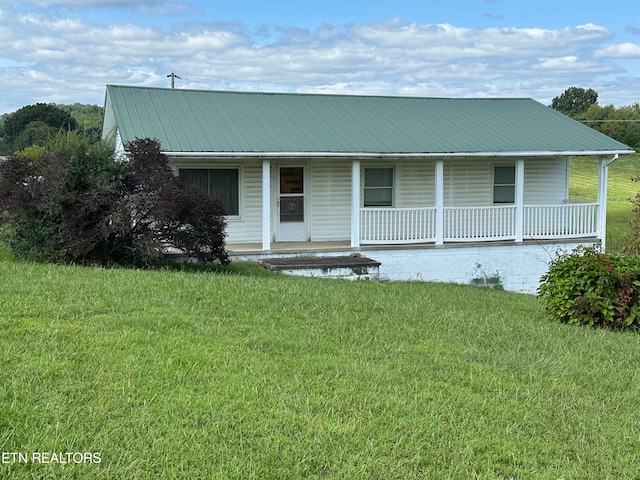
[(470, 182), (415, 183), (246, 227), (330, 200), (545, 181)]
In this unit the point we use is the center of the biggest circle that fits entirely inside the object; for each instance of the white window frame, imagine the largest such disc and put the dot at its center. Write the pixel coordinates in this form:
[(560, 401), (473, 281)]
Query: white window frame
[(391, 187), (494, 184)]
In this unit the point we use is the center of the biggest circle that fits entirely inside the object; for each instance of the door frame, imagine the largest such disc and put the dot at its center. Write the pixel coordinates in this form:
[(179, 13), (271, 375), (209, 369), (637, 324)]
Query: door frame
[(294, 231)]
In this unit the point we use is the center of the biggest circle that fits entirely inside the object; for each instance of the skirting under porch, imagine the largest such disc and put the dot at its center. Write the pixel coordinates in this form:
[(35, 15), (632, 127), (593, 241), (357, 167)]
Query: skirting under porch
[(512, 266)]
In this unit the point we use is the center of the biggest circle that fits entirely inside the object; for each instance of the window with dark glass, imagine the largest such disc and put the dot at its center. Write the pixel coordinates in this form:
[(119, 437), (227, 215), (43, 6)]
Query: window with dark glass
[(378, 187), (504, 184), (223, 183)]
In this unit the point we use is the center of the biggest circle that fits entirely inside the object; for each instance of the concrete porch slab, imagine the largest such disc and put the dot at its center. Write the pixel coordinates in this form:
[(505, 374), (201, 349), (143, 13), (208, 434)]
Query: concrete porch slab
[(294, 263), (348, 267)]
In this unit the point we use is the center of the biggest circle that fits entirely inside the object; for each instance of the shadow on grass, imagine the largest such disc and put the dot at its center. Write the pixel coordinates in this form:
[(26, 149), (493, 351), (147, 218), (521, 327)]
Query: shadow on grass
[(249, 269), (5, 255)]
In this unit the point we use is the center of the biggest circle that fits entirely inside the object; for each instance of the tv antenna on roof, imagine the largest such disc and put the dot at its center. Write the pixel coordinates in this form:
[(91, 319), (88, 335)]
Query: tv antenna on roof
[(173, 79)]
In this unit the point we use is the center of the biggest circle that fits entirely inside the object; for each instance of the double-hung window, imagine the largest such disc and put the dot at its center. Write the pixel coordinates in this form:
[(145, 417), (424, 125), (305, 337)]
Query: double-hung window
[(378, 187), (223, 183), (504, 184)]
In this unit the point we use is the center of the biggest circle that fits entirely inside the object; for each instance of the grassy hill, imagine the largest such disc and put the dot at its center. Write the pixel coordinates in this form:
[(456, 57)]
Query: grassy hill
[(583, 185)]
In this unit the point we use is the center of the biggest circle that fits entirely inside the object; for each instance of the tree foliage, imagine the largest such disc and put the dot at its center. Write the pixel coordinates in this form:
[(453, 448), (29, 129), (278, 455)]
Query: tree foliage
[(88, 118), (78, 203), (622, 124), (575, 100), (632, 240), (33, 125)]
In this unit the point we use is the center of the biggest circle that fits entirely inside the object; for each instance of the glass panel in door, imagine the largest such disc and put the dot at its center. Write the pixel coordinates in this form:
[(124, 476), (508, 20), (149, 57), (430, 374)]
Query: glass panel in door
[(291, 194)]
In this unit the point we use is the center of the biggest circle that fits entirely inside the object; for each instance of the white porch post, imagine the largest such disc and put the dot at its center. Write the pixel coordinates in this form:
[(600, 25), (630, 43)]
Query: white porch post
[(439, 201), (266, 204), (603, 176), (355, 203), (519, 200)]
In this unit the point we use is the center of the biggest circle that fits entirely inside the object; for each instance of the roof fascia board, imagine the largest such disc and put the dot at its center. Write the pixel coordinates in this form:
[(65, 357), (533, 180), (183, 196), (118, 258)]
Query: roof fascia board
[(364, 155)]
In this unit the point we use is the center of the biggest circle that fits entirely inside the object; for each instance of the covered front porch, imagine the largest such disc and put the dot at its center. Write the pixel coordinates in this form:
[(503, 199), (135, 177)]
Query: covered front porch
[(440, 223)]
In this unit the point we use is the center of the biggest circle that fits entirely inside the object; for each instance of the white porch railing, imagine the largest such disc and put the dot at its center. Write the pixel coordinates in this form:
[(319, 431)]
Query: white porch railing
[(560, 221), (472, 224), (476, 224), (397, 225)]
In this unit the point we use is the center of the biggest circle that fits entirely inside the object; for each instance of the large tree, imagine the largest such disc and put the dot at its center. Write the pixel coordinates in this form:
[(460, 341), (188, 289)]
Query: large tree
[(575, 101)]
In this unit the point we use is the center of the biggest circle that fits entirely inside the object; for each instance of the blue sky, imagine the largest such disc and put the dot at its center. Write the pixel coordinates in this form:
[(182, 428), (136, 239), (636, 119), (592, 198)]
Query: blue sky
[(66, 51)]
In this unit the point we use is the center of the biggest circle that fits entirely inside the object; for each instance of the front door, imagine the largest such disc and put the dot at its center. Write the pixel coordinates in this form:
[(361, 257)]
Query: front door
[(291, 205)]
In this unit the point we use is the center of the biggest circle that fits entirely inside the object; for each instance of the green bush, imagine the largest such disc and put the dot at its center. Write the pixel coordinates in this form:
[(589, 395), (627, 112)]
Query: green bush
[(589, 287)]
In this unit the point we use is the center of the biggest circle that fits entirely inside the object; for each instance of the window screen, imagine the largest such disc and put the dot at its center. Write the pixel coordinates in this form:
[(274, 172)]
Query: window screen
[(378, 187), (504, 184), (223, 183)]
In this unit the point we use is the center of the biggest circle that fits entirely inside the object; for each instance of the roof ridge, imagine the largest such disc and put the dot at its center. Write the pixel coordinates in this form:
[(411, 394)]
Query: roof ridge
[(314, 94)]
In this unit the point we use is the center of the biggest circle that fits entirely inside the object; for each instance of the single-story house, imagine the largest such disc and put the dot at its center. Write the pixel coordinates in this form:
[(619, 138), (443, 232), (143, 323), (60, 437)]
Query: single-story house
[(467, 190)]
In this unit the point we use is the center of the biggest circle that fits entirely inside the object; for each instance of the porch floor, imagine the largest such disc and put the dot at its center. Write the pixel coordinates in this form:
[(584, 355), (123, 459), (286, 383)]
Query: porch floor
[(288, 247), (344, 247)]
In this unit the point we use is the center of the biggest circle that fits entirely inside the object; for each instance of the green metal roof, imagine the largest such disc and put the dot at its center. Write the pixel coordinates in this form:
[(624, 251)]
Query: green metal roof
[(271, 123)]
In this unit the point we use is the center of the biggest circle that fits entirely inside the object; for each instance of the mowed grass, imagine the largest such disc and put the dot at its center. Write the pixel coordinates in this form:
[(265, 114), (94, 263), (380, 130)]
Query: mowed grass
[(583, 185), (248, 375)]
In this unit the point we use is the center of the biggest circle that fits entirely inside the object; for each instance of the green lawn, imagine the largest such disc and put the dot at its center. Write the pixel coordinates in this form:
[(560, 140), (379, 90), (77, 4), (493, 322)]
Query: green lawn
[(247, 375)]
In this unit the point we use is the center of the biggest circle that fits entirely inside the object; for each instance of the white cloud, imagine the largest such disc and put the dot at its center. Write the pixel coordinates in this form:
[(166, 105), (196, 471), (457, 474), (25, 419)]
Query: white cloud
[(451, 40), (46, 56), (573, 65), (620, 50)]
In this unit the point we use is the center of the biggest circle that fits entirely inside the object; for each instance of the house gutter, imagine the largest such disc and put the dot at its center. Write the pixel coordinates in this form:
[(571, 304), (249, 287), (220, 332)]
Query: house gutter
[(367, 155), (613, 159)]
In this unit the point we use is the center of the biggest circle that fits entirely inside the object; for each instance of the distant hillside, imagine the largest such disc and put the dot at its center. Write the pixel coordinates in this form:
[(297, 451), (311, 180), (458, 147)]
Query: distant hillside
[(86, 118), (89, 118)]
